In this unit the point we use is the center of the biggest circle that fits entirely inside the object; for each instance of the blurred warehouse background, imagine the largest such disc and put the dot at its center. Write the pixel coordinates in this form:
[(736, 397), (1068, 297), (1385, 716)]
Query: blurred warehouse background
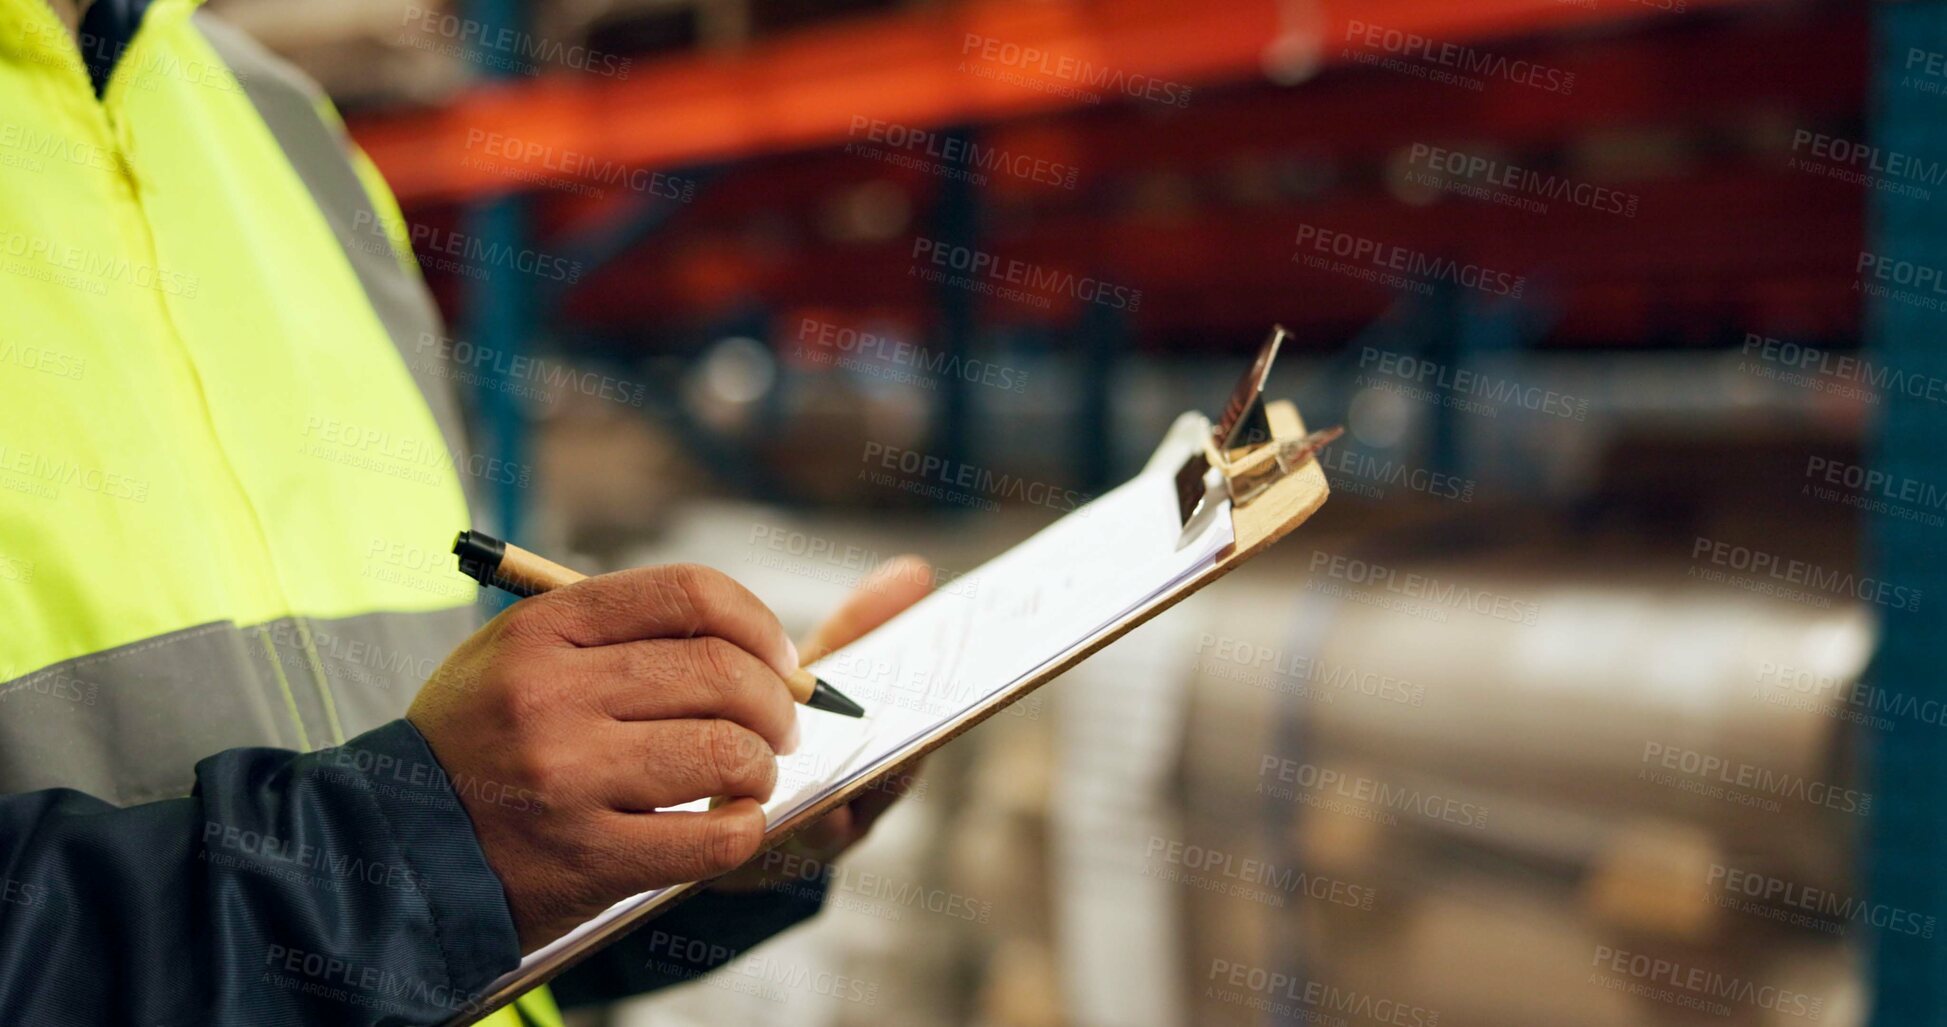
[(1604, 691)]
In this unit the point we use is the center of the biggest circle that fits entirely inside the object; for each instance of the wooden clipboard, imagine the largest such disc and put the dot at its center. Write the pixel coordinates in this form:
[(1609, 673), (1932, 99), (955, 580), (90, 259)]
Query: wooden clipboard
[(1274, 486)]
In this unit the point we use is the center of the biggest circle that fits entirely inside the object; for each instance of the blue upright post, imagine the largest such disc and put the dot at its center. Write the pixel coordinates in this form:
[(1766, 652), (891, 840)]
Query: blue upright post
[(957, 223), (497, 310), (1907, 336), (1105, 336)]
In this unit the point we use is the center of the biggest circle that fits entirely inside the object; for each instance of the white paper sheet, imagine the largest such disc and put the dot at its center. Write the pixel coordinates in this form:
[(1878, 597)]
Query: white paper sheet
[(986, 633)]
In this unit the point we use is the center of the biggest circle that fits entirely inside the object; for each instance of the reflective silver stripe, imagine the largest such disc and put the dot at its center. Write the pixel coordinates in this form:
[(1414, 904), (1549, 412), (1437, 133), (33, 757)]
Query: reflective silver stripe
[(318, 151), (375, 662), (128, 724)]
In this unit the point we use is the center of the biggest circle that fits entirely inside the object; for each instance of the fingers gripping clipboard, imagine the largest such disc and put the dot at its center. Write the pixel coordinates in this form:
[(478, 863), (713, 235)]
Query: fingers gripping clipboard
[(1211, 497)]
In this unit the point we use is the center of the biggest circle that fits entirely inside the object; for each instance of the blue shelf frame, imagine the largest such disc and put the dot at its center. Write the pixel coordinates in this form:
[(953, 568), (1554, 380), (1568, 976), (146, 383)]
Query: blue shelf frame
[(1906, 854)]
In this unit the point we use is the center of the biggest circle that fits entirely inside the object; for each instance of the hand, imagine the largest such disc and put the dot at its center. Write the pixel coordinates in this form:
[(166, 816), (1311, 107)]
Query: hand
[(895, 585), (609, 699)]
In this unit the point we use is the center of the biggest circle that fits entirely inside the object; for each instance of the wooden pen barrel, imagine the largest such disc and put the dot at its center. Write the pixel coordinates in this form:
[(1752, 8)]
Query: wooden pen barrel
[(530, 574)]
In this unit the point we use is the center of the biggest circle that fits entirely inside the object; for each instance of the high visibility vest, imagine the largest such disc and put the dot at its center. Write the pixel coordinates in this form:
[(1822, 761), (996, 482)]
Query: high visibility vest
[(227, 459)]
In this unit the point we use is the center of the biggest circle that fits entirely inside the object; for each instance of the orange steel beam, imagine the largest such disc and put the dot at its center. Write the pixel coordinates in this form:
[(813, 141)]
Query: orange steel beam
[(978, 61)]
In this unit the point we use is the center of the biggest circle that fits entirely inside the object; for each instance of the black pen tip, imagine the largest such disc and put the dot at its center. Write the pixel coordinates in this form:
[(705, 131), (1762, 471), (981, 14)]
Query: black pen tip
[(825, 697)]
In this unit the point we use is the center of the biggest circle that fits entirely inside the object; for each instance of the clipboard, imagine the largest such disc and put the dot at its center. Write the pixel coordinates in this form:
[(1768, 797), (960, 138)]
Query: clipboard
[(1258, 455)]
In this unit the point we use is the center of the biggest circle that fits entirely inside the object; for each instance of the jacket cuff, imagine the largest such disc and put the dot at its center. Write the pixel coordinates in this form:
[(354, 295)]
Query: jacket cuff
[(471, 920)]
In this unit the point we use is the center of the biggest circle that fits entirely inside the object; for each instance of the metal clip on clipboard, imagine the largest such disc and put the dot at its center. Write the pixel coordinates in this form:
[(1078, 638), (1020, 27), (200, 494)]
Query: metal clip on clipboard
[(1253, 446)]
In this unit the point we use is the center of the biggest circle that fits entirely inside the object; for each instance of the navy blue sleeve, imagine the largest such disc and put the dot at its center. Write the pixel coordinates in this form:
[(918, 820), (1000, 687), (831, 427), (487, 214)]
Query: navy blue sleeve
[(343, 886), (701, 934)]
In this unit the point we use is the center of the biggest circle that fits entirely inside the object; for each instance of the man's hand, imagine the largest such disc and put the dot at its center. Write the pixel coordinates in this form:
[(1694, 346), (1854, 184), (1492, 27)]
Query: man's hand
[(610, 699), (895, 585)]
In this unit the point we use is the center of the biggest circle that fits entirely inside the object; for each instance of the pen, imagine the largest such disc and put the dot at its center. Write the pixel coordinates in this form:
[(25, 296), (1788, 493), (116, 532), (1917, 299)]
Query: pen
[(514, 570)]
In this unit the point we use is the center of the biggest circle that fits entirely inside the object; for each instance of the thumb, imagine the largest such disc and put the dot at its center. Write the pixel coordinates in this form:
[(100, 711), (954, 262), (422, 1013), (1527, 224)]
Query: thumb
[(896, 584)]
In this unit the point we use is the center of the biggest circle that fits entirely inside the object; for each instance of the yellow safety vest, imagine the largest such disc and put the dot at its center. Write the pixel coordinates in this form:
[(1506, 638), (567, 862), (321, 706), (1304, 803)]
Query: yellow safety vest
[(227, 460)]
